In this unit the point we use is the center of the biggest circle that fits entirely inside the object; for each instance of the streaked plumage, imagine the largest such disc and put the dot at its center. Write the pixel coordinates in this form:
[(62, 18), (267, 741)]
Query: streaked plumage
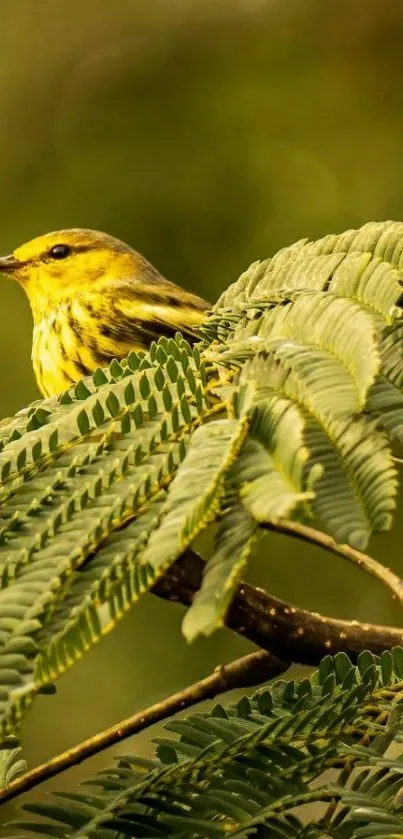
[(93, 298)]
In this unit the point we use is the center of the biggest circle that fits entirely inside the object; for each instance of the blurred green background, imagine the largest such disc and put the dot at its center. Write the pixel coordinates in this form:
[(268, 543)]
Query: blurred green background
[(206, 133)]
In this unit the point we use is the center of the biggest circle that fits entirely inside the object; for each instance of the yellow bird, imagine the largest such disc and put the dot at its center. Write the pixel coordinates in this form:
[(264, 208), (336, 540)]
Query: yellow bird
[(93, 298)]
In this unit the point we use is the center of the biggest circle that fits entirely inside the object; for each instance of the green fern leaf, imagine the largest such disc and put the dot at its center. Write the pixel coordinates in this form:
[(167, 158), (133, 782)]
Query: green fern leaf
[(321, 321), (113, 580), (236, 535), (371, 281), (385, 403), (272, 472), (195, 493), (356, 491), (348, 461), (12, 766)]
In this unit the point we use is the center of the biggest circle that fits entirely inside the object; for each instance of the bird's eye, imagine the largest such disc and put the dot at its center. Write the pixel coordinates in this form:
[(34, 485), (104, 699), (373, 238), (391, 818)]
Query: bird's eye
[(59, 251)]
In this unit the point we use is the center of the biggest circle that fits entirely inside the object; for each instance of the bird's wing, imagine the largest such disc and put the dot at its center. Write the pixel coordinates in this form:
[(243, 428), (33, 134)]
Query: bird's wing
[(139, 313)]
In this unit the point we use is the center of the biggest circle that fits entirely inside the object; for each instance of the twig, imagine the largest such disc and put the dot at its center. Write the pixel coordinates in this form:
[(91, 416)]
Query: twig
[(290, 633), (322, 540), (248, 671)]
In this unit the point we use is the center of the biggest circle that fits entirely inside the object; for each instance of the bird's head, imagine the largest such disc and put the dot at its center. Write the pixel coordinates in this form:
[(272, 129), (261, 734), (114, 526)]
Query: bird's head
[(69, 262)]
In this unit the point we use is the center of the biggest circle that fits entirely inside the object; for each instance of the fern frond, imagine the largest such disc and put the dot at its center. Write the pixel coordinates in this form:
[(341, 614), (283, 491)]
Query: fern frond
[(194, 496), (235, 538), (12, 766), (249, 765), (97, 598), (273, 472), (313, 330), (348, 461), (92, 489), (308, 264)]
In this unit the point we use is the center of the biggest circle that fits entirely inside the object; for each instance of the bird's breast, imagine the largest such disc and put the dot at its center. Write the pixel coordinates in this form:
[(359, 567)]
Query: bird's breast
[(71, 340), (60, 355)]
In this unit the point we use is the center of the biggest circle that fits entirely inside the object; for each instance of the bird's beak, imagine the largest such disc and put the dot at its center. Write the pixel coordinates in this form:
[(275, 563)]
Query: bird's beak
[(8, 264)]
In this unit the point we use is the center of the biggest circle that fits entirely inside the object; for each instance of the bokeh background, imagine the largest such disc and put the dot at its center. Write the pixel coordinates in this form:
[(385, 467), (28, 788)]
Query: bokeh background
[(206, 133)]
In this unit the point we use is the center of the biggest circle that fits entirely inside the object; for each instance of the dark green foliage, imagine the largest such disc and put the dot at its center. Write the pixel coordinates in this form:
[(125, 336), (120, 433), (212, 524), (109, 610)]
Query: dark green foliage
[(286, 408), (248, 769)]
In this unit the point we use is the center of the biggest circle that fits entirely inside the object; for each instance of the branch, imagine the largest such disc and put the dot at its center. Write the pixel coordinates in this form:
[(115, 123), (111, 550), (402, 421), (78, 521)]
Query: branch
[(289, 633), (248, 671), (322, 540)]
